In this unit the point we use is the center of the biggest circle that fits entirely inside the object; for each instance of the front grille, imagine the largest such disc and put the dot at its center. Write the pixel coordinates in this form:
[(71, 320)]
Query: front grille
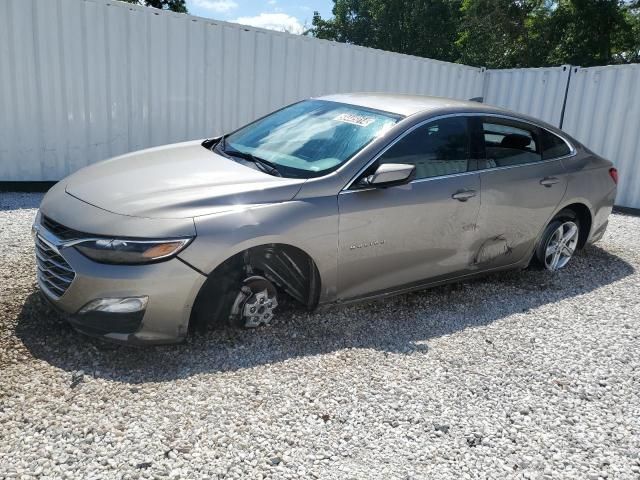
[(60, 231), (54, 273)]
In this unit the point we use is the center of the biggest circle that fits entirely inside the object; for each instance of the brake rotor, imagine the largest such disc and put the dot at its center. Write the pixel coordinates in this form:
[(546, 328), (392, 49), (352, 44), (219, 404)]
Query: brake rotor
[(255, 303)]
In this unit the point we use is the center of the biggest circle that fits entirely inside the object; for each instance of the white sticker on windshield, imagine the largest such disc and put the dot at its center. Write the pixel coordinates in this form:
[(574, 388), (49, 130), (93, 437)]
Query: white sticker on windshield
[(352, 118)]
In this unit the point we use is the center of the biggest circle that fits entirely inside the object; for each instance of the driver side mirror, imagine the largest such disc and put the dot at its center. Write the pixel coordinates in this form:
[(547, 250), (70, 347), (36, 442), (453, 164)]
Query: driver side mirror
[(390, 174)]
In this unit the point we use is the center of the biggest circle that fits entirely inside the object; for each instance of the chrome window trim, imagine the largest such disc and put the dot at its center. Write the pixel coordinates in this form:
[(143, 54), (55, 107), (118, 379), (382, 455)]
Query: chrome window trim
[(573, 151)]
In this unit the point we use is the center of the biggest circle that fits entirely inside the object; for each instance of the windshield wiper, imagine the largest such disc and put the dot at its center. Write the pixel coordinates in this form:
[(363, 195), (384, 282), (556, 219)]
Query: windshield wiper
[(264, 165), (215, 143)]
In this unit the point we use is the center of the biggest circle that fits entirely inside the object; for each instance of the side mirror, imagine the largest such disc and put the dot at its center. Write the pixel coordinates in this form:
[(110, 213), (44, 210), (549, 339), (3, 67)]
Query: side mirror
[(390, 174)]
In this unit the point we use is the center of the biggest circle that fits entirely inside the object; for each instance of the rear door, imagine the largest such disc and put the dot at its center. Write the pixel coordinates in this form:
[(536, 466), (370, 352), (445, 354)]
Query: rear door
[(398, 236), (520, 187)]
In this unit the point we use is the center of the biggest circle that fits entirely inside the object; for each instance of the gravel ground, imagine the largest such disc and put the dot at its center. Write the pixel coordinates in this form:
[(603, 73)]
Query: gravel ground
[(518, 375)]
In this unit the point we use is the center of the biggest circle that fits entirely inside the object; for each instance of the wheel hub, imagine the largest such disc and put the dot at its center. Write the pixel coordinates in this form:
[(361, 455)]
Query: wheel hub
[(255, 303)]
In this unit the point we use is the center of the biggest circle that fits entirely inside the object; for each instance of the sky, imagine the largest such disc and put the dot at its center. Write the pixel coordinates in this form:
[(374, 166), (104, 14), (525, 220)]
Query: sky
[(284, 15)]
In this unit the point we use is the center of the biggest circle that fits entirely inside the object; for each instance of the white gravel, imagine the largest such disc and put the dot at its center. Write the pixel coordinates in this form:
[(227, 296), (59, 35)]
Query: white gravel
[(518, 375)]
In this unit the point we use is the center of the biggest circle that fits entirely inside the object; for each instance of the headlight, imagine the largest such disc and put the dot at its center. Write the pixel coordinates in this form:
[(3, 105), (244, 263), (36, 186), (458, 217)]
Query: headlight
[(131, 252)]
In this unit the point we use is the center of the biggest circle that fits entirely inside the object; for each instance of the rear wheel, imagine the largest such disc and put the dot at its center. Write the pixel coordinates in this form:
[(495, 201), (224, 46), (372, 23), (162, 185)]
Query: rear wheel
[(559, 241)]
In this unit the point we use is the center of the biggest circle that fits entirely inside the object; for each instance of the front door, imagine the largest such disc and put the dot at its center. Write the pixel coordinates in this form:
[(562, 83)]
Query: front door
[(395, 237)]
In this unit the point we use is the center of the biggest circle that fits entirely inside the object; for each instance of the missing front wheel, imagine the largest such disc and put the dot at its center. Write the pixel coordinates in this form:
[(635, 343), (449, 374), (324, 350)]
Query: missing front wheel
[(255, 303)]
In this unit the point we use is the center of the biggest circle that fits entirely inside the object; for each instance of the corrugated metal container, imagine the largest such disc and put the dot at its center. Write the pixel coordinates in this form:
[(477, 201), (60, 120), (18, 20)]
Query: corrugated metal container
[(538, 92), (603, 112), (84, 80)]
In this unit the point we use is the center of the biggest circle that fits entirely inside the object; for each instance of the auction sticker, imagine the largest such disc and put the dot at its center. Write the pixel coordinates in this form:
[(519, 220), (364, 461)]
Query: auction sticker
[(352, 118)]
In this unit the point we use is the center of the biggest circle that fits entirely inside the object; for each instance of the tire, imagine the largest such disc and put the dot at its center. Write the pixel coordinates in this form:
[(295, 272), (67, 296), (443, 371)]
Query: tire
[(559, 242)]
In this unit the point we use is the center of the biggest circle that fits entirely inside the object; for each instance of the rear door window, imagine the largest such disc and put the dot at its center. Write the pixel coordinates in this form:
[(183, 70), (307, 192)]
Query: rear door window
[(509, 143)]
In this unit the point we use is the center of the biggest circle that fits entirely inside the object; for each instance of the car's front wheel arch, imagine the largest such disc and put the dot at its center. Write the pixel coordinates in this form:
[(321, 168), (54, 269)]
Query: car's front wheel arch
[(287, 267)]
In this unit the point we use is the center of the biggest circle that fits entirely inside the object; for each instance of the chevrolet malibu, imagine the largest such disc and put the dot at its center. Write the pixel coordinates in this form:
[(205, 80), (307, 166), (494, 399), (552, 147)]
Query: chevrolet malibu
[(329, 200)]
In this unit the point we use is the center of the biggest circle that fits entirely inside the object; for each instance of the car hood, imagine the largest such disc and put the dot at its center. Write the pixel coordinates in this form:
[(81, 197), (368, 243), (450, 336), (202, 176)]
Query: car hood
[(176, 181)]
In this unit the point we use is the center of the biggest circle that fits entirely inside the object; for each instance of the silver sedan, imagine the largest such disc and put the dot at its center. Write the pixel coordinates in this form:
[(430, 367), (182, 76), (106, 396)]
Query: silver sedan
[(333, 199)]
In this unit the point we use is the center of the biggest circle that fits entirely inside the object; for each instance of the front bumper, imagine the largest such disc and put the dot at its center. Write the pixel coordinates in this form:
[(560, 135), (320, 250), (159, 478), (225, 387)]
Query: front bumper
[(117, 326), (69, 281), (171, 288)]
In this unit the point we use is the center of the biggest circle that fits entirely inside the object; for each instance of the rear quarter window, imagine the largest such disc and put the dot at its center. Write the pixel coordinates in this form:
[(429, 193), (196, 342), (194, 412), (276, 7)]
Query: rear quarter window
[(553, 146)]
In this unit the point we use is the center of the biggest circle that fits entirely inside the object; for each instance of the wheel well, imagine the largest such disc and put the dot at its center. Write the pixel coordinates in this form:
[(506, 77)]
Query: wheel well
[(584, 216), (291, 269)]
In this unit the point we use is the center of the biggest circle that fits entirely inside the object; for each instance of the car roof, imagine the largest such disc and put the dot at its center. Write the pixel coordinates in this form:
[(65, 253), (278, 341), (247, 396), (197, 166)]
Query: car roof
[(400, 103)]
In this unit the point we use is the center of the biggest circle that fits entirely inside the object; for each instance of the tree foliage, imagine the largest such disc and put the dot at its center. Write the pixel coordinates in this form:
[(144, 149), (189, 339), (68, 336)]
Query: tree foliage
[(426, 28), (173, 5), (491, 33)]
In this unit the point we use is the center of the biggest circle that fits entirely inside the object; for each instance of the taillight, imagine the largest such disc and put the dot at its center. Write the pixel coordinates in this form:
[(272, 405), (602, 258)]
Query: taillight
[(614, 175)]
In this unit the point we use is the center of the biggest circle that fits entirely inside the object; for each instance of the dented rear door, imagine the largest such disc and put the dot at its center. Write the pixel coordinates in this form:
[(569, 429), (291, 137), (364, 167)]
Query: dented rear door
[(519, 193)]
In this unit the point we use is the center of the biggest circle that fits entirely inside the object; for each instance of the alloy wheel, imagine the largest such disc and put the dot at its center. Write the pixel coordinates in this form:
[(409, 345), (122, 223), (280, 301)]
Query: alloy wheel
[(561, 246)]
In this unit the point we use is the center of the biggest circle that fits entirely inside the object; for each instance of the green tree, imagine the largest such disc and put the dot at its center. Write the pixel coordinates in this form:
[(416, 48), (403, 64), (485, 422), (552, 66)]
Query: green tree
[(533, 33), (173, 5), (497, 33), (491, 33), (419, 27), (634, 18), (591, 32)]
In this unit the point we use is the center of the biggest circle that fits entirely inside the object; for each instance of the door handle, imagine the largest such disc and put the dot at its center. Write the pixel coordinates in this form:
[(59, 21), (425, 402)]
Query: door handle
[(464, 195), (548, 181)]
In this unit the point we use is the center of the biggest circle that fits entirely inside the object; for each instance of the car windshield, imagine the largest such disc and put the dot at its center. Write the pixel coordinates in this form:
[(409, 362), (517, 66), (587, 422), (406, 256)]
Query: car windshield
[(310, 138)]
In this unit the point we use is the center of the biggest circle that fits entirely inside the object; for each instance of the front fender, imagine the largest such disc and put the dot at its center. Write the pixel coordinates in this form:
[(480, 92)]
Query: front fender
[(310, 225)]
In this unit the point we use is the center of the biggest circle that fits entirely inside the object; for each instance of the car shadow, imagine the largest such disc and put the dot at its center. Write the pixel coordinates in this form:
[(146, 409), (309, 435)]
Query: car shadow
[(402, 324)]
